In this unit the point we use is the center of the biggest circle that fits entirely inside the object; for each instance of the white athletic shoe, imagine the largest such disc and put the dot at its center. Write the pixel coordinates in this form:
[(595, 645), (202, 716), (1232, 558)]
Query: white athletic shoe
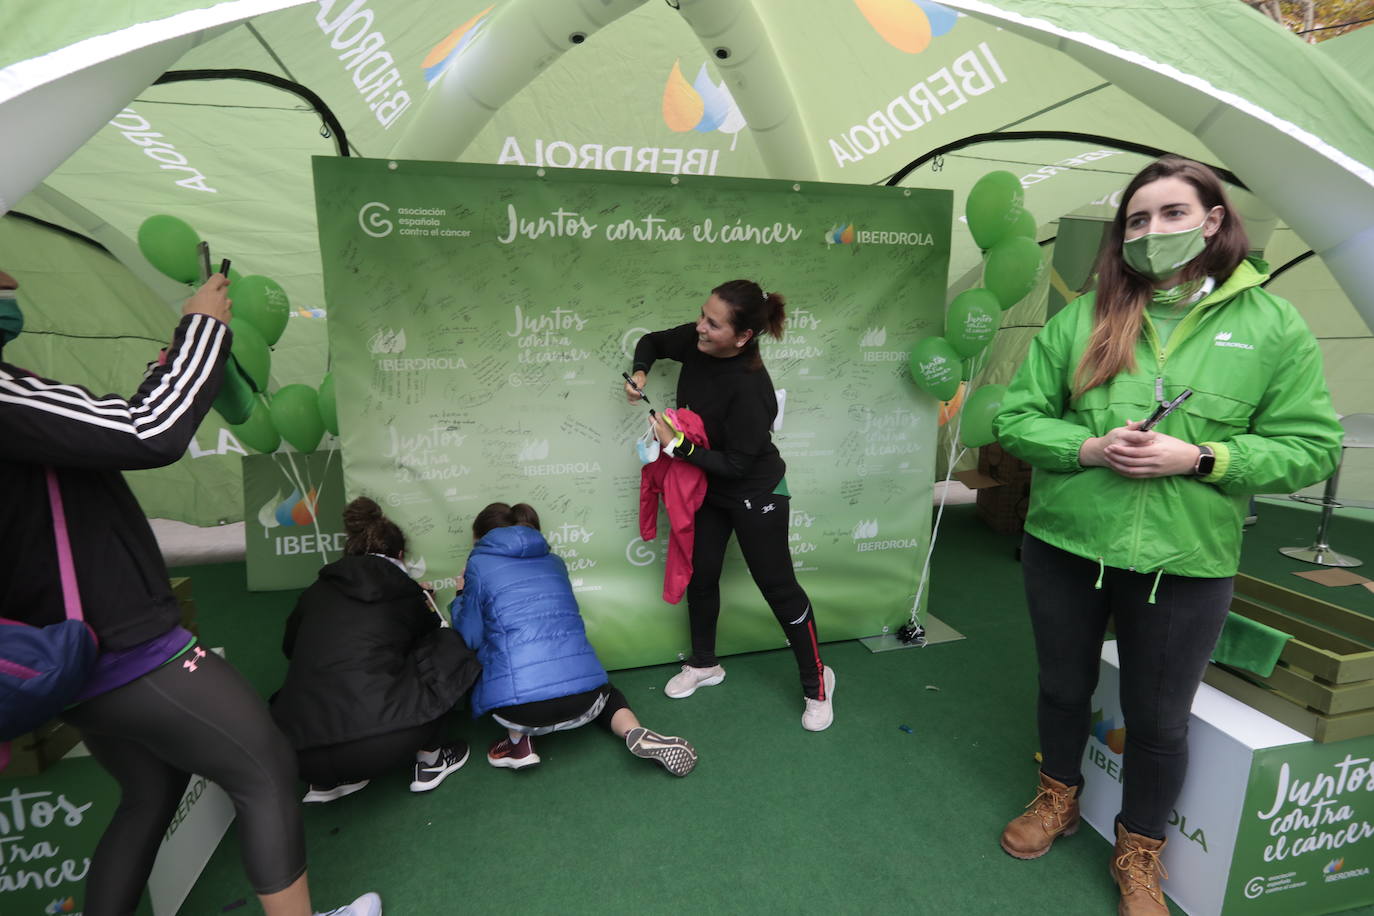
[(686, 682), (321, 794), (820, 713), (368, 904)]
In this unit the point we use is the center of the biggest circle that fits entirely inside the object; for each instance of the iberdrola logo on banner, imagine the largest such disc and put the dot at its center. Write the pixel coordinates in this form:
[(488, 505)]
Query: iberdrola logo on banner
[(908, 25), (840, 234), (701, 105), (437, 61), (1107, 734)]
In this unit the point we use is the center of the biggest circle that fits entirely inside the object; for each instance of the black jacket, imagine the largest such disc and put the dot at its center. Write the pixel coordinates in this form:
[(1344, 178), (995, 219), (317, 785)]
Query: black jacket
[(88, 440), (367, 657), (737, 404)]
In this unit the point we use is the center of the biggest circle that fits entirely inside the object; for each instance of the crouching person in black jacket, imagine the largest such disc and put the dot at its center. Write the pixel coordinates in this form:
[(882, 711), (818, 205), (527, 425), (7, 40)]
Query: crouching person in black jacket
[(372, 672)]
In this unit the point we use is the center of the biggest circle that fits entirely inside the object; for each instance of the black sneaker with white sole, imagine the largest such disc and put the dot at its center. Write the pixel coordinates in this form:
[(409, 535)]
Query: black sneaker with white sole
[(429, 775), (675, 754)]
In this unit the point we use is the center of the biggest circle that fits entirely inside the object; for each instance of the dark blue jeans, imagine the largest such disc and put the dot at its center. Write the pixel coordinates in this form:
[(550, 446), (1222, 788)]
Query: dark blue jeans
[(1164, 649)]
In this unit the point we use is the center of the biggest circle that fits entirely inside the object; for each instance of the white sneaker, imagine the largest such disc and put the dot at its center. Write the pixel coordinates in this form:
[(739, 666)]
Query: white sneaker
[(820, 713), (321, 794), (685, 683), (368, 904)]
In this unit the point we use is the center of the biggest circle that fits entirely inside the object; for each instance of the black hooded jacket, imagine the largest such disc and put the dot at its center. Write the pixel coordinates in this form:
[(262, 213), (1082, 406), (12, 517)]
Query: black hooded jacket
[(367, 657), (88, 440)]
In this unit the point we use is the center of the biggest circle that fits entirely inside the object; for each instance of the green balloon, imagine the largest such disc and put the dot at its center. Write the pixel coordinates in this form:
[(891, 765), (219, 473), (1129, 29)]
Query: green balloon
[(1024, 225), (992, 207), (251, 351), (234, 277), (1013, 268), (974, 317), (980, 409), (261, 301), (935, 367), (257, 432), (296, 414), (169, 244), (329, 409), (235, 399)]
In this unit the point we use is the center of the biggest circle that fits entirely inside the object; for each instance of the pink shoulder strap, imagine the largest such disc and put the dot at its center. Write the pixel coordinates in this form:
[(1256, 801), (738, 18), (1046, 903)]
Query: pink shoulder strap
[(71, 596)]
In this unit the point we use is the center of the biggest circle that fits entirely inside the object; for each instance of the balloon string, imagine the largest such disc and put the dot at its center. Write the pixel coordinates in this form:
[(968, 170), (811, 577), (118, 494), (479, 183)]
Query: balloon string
[(953, 460)]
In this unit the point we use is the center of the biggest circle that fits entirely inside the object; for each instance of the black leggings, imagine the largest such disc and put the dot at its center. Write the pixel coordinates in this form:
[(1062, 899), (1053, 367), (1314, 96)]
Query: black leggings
[(761, 527), (151, 735), (1164, 648), (367, 758)]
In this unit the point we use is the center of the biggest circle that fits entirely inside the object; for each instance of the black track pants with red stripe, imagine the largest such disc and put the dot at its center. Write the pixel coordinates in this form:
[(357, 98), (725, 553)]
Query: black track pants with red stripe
[(761, 525)]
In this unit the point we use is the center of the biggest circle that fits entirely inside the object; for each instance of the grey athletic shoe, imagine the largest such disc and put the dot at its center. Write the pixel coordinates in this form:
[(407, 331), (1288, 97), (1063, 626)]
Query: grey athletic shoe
[(675, 754)]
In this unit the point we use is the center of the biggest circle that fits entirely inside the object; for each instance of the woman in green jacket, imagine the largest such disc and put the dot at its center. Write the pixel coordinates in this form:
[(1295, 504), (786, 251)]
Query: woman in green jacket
[(1144, 526)]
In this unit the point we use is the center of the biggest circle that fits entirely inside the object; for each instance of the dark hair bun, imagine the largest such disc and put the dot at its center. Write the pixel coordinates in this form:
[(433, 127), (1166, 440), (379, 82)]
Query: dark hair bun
[(361, 514)]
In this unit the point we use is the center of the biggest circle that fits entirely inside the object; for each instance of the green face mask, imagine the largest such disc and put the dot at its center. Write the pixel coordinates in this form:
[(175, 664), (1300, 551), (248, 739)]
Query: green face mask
[(11, 319), (1162, 254)]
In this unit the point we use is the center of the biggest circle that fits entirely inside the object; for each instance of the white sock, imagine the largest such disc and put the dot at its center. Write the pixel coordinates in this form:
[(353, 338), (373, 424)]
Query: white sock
[(428, 758)]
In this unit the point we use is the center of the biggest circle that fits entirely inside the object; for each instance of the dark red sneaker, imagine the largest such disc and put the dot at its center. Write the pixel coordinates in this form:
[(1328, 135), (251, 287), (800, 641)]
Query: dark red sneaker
[(513, 756)]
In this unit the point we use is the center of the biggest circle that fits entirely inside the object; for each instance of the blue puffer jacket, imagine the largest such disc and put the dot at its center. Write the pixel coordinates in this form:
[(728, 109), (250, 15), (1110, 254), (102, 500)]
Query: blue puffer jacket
[(518, 613)]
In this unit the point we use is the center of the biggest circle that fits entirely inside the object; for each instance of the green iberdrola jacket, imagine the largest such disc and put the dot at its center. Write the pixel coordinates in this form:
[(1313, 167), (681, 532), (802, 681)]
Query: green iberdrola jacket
[(1259, 400)]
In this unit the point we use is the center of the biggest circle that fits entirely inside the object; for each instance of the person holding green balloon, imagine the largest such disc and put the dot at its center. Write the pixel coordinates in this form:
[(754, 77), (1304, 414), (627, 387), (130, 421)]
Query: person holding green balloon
[(1142, 523), (155, 706)]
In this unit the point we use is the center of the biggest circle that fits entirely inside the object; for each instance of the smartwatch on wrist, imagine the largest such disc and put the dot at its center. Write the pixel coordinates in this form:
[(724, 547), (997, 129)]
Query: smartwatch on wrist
[(1206, 460)]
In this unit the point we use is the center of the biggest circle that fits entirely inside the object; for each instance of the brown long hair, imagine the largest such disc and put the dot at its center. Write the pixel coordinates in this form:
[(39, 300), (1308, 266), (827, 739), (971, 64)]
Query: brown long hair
[(504, 515), (370, 531), (1123, 293), (751, 309)]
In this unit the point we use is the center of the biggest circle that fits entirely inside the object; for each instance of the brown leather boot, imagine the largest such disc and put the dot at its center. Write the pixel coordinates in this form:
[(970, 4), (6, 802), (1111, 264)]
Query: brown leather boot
[(1137, 870), (1051, 814)]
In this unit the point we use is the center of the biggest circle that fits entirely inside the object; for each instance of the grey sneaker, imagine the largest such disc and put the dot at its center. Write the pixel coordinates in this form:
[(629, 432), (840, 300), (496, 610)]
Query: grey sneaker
[(820, 713), (368, 904), (686, 682), (676, 754)]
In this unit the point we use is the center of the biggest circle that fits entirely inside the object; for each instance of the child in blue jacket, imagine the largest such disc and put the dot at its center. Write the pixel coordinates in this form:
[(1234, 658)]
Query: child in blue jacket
[(515, 608)]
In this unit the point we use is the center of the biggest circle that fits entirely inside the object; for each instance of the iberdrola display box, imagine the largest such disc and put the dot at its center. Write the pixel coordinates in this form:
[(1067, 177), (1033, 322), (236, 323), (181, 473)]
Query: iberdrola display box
[(1269, 823)]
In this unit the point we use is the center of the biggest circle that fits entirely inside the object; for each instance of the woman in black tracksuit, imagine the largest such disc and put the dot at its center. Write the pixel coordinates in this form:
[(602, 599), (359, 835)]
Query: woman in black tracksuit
[(157, 707), (723, 380)]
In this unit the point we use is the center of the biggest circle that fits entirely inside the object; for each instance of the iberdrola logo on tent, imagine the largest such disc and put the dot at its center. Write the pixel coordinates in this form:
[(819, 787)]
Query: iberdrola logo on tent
[(1107, 734), (446, 51), (61, 906), (701, 105), (840, 234), (908, 25), (289, 512)]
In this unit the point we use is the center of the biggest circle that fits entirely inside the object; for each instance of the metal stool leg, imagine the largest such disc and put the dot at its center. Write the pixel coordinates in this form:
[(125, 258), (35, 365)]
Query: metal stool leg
[(1320, 552)]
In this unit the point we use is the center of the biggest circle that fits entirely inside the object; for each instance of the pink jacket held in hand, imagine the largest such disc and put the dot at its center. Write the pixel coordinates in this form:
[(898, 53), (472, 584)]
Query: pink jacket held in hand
[(683, 486)]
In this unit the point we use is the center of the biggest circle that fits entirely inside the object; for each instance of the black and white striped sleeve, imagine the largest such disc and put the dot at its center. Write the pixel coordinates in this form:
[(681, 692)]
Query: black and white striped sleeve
[(47, 422)]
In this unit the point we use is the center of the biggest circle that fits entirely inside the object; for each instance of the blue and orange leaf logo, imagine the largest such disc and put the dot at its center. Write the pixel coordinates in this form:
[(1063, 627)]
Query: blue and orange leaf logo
[(289, 512), (701, 105), (908, 25), (1107, 734), (840, 234), (1334, 866), (445, 52), (61, 906)]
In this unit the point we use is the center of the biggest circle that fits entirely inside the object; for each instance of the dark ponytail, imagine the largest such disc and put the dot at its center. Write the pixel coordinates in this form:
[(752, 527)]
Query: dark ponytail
[(752, 309), (504, 515), (369, 531)]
